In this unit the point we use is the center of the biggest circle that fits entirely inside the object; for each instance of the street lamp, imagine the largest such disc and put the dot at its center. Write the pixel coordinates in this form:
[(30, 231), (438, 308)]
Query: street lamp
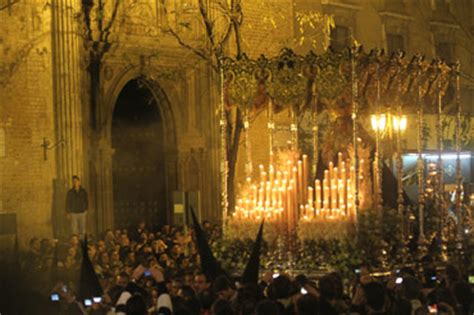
[(378, 122), (399, 123)]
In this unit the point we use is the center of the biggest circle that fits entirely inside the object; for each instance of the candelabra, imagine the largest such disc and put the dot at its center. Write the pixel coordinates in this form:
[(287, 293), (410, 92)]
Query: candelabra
[(378, 122), (420, 162), (223, 151), (399, 124), (440, 202), (355, 127), (460, 225), (271, 129)]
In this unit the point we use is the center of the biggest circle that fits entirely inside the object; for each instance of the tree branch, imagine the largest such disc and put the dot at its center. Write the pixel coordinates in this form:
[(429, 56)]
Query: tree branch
[(207, 24), (226, 36), (111, 21), (100, 18), (201, 54), (86, 11), (236, 19)]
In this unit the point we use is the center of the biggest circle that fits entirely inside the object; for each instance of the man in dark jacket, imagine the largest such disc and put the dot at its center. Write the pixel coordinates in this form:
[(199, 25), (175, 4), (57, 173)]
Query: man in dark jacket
[(76, 207)]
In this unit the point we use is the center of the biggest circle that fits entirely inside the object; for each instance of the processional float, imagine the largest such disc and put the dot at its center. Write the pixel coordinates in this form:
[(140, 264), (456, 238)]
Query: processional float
[(297, 196)]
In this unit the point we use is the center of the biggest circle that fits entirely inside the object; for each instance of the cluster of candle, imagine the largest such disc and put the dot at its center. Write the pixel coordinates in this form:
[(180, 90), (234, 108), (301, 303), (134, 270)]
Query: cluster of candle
[(275, 194), (283, 195), (333, 198)]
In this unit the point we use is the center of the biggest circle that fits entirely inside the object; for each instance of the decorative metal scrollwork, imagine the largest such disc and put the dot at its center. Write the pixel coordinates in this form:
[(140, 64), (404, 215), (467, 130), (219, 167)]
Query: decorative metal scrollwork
[(241, 81), (287, 84)]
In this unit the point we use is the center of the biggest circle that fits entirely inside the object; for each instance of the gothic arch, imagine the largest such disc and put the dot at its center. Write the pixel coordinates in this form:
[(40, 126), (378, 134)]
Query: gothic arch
[(167, 102)]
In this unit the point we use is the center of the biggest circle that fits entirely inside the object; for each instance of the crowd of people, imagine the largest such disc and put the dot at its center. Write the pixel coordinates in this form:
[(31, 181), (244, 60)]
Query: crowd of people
[(159, 272)]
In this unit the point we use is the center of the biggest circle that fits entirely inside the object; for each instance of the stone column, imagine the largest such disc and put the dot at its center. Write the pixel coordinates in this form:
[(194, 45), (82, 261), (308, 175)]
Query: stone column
[(213, 138), (104, 186), (67, 105), (172, 182)]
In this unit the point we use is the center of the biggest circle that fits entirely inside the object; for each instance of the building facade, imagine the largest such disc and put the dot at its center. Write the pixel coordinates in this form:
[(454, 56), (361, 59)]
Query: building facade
[(155, 129)]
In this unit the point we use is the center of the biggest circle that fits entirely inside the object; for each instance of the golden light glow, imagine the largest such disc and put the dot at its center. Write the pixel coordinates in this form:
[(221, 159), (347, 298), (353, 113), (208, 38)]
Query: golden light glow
[(399, 123), (284, 195), (378, 122)]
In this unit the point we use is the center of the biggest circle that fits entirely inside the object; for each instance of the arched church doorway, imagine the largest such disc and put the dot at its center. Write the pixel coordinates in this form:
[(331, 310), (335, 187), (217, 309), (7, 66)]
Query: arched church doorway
[(139, 181)]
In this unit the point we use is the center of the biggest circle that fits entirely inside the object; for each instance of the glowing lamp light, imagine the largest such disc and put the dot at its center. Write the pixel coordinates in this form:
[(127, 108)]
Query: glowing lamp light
[(378, 122), (399, 123)]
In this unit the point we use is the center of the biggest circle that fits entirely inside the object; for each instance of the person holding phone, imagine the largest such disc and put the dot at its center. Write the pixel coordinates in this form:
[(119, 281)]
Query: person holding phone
[(66, 300), (132, 288)]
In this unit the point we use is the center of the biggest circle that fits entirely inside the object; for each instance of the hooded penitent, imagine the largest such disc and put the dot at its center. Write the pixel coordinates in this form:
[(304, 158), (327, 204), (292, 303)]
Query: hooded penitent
[(89, 285), (251, 271), (209, 265)]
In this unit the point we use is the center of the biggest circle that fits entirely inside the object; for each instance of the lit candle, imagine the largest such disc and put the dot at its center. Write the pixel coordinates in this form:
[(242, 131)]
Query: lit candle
[(339, 160), (305, 175), (325, 195), (344, 182), (350, 203), (318, 195), (331, 170), (333, 195), (300, 185), (340, 195), (294, 184), (289, 208), (310, 196)]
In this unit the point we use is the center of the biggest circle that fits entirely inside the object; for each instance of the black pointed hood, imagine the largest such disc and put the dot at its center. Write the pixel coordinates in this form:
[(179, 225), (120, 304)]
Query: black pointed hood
[(252, 269), (209, 265), (89, 285)]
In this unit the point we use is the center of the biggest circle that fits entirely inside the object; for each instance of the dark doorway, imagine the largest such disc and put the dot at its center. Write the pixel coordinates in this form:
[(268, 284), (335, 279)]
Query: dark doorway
[(138, 162)]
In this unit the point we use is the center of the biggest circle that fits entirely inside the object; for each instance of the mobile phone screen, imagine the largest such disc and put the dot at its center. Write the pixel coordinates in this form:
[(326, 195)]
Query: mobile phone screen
[(399, 280), (471, 279), (54, 297), (87, 302), (97, 299), (433, 309)]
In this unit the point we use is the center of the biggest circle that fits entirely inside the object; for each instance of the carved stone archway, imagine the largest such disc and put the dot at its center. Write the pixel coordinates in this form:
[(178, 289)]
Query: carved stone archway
[(101, 164)]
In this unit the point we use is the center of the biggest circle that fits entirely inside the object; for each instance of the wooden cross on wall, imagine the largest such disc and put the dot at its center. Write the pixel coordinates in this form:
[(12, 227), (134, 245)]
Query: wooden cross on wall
[(8, 5)]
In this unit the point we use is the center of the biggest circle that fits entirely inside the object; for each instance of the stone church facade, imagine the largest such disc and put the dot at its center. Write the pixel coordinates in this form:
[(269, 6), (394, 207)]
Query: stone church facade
[(47, 127), (48, 132)]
